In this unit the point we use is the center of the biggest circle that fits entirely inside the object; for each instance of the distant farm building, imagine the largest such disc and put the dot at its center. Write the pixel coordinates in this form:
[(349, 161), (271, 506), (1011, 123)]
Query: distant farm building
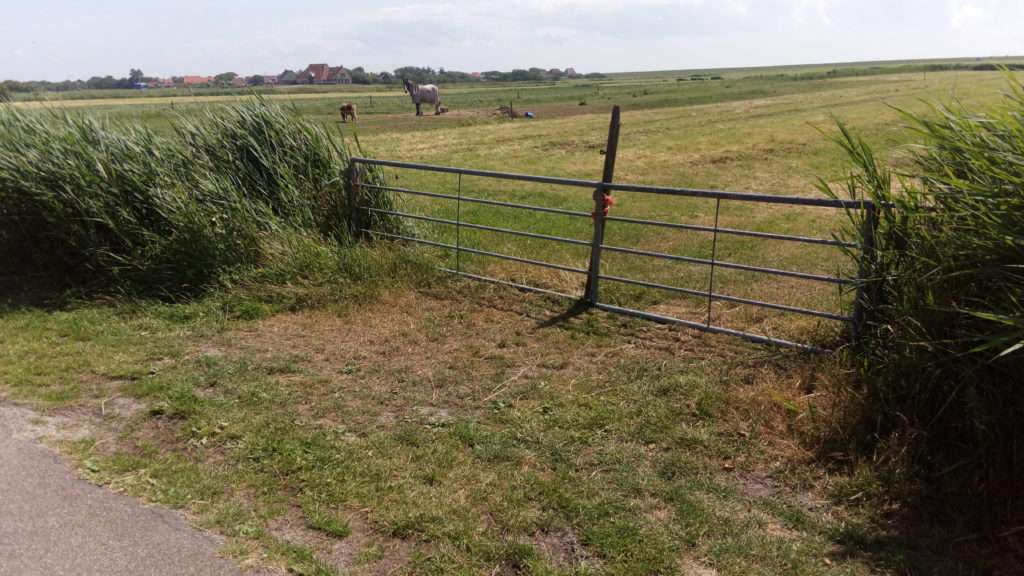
[(288, 77), (339, 75), (196, 80), (316, 74)]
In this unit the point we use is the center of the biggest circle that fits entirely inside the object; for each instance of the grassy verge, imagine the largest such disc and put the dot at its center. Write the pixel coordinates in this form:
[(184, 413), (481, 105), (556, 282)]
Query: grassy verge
[(406, 433)]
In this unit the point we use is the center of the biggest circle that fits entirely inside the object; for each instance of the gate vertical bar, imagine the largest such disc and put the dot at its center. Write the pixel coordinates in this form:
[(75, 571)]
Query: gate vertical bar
[(865, 272), (458, 228), (601, 196), (354, 178), (714, 258)]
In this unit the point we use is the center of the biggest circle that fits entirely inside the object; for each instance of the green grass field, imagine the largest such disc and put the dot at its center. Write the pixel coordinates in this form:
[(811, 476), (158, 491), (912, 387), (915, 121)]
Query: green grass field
[(752, 133), (439, 427)]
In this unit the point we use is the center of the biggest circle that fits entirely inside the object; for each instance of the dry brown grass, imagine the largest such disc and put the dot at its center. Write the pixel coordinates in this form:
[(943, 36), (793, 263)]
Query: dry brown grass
[(431, 354)]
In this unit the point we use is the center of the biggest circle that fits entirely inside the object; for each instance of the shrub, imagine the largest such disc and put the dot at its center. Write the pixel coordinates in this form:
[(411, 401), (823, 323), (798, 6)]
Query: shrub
[(292, 167), (110, 206), (943, 345)]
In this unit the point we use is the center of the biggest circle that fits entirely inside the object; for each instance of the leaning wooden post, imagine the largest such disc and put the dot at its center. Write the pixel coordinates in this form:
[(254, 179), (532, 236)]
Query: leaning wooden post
[(602, 200)]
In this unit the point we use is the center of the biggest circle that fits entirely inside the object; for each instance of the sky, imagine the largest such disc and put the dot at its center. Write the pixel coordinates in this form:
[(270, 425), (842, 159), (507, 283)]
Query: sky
[(58, 40)]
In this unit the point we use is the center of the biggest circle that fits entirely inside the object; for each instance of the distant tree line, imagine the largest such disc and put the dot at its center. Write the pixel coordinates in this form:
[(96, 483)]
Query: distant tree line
[(442, 76), (902, 69), (428, 75), (424, 75), (135, 76)]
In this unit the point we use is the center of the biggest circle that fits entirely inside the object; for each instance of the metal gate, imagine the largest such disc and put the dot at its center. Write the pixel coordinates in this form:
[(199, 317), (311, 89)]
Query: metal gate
[(600, 217)]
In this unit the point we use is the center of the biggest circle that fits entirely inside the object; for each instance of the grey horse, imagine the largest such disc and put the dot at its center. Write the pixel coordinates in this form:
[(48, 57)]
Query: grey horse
[(425, 94)]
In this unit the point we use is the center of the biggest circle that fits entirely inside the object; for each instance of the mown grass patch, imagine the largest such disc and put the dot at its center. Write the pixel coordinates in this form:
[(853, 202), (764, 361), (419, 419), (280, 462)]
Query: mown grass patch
[(462, 439)]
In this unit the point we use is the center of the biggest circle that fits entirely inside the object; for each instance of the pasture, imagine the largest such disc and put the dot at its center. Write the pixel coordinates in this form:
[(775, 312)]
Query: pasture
[(334, 419)]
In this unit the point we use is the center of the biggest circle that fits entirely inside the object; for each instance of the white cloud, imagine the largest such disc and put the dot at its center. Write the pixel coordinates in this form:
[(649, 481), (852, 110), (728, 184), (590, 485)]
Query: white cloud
[(966, 14), (811, 11)]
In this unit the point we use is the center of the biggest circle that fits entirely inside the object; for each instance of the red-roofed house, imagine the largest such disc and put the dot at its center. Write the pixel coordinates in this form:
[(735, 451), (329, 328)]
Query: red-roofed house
[(324, 74), (339, 75), (315, 74), (196, 80)]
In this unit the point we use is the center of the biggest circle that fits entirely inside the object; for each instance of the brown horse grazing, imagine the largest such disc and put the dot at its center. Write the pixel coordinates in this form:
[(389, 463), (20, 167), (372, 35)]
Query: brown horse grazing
[(348, 111)]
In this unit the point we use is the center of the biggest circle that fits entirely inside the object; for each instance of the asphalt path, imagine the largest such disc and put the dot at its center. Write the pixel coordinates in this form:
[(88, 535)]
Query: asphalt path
[(53, 523)]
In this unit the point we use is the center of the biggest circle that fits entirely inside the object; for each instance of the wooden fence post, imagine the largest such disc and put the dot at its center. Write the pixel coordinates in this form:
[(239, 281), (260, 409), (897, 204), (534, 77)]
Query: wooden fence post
[(601, 198), (866, 281)]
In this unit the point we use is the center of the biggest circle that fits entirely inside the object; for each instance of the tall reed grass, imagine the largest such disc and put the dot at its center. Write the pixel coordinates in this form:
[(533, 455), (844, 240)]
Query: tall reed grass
[(98, 205), (942, 357)]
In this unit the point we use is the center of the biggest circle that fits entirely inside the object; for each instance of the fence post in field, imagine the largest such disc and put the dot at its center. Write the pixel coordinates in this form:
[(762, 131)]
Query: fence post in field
[(601, 203), (866, 272)]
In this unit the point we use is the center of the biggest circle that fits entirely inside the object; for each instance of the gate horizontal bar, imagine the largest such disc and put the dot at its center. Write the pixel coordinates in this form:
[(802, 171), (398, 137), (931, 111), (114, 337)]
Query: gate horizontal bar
[(660, 319), (695, 227), (664, 190), (509, 284), (480, 227), (479, 252), (739, 196), (733, 266), (481, 201), (410, 239), (733, 232), (482, 173), (727, 298)]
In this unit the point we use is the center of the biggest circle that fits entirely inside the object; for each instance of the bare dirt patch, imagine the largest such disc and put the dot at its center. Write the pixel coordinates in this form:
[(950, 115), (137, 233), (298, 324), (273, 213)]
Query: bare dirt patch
[(692, 568), (58, 426), (97, 420), (361, 552), (565, 552)]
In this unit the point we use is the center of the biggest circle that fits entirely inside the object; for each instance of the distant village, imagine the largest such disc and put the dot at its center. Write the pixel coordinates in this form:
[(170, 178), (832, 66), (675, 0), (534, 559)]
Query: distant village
[(322, 73), (312, 74), (326, 74)]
